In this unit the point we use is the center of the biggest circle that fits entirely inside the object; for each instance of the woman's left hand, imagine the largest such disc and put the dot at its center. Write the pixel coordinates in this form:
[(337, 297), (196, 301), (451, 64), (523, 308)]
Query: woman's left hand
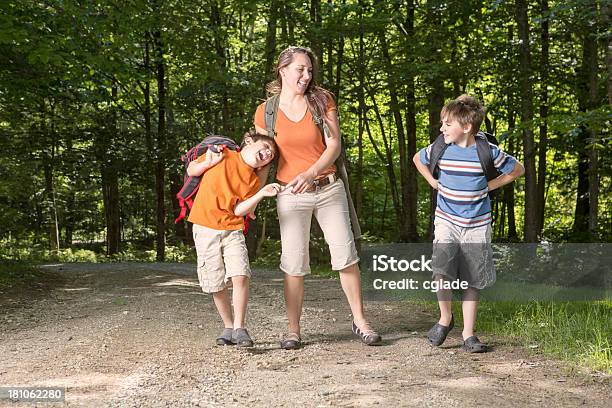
[(301, 182)]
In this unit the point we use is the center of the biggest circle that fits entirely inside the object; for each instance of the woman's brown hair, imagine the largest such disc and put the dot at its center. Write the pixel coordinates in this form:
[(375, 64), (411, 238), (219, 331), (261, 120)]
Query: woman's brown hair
[(317, 97)]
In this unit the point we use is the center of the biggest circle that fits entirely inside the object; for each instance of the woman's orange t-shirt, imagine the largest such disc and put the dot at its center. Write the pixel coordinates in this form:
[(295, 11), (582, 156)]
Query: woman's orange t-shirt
[(300, 143), (222, 187)]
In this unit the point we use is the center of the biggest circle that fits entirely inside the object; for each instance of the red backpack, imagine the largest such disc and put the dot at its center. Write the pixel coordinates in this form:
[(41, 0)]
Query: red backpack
[(191, 184)]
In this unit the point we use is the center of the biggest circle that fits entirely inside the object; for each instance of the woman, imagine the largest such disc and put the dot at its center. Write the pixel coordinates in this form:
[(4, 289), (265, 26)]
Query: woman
[(306, 169)]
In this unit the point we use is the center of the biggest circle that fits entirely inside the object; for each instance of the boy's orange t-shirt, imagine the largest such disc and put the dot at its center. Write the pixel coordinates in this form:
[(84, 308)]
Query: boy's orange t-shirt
[(221, 188), (300, 144)]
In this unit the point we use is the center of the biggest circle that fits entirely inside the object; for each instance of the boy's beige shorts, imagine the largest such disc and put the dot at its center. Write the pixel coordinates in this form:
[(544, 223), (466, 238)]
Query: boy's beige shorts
[(329, 206), (221, 255)]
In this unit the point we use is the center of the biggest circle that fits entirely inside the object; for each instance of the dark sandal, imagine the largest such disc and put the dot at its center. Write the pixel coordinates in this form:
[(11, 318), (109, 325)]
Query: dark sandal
[(369, 337), (225, 339), (473, 345), (437, 334), (241, 338), (292, 341)]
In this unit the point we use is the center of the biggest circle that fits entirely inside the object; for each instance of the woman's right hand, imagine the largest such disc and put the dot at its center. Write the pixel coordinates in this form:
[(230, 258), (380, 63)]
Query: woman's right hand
[(301, 182)]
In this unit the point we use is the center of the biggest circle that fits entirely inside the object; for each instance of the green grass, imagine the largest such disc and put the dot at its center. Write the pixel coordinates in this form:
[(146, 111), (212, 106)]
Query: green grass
[(24, 252), (578, 332)]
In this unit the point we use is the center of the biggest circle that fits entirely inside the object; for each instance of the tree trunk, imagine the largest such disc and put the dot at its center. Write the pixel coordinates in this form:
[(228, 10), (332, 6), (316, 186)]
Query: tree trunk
[(329, 62), (339, 61), (271, 40), (530, 225), (176, 177), (593, 190), (314, 35), (291, 23), (585, 215), (411, 204), (606, 12), (581, 212), (435, 103), (110, 183), (543, 144), (221, 60), (69, 219), (108, 166), (592, 146), (147, 124), (509, 188), (160, 151), (48, 159), (361, 114), (69, 212), (53, 223), (110, 194)]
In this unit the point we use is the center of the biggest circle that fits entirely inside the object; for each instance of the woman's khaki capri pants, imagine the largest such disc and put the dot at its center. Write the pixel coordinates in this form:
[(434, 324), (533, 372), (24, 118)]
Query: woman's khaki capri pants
[(329, 206)]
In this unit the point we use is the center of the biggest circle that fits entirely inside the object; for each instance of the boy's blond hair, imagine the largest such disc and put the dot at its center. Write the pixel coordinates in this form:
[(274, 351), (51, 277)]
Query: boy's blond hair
[(465, 109)]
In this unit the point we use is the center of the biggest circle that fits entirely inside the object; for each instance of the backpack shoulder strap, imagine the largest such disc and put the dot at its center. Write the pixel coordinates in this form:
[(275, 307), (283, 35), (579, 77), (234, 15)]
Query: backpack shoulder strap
[(438, 147), (340, 163), (483, 148), (270, 111), (320, 122)]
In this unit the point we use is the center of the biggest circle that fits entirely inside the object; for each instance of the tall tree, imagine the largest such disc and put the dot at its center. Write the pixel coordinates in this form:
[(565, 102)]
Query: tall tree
[(160, 148), (530, 224), (435, 83), (543, 140), (585, 216)]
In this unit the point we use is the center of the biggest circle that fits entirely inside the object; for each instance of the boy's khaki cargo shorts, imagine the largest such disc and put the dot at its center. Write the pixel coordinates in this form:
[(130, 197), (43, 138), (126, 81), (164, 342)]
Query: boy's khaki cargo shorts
[(221, 256)]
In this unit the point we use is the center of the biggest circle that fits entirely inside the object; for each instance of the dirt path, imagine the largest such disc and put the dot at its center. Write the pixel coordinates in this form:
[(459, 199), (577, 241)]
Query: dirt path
[(134, 335)]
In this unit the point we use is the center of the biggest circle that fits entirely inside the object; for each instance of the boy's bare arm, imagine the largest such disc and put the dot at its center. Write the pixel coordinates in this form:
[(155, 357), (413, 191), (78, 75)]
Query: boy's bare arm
[(249, 205), (504, 179), (262, 174), (424, 170), (197, 168)]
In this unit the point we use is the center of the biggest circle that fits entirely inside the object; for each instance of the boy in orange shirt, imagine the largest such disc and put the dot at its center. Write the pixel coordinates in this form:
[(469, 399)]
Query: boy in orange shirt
[(231, 191)]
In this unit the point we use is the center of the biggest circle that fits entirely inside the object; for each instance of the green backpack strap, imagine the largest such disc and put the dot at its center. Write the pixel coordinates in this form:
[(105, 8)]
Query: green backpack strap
[(342, 172), (270, 111)]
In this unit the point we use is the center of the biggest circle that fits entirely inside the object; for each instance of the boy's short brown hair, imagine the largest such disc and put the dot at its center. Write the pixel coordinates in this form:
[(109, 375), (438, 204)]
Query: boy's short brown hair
[(465, 109), (255, 137)]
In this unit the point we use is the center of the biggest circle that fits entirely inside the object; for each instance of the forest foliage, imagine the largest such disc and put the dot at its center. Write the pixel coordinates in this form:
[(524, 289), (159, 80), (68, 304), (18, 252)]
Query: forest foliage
[(98, 101)]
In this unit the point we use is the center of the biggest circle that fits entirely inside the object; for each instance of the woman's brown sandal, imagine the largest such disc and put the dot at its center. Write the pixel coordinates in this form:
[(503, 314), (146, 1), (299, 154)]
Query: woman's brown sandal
[(292, 341), (369, 337)]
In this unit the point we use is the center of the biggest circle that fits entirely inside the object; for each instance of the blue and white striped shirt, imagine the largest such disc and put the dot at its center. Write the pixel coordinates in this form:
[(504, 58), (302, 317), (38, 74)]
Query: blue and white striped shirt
[(462, 186)]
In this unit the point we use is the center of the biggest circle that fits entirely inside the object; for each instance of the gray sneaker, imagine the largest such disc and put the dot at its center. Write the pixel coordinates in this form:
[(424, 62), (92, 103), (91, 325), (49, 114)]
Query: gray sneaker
[(225, 339), (241, 338)]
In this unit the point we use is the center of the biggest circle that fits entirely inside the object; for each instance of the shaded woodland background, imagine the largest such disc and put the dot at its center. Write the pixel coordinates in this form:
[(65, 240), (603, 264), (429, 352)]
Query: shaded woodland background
[(98, 101)]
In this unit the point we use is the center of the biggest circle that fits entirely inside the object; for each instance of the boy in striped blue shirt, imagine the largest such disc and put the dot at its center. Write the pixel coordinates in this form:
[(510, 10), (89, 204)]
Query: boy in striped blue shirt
[(462, 224)]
